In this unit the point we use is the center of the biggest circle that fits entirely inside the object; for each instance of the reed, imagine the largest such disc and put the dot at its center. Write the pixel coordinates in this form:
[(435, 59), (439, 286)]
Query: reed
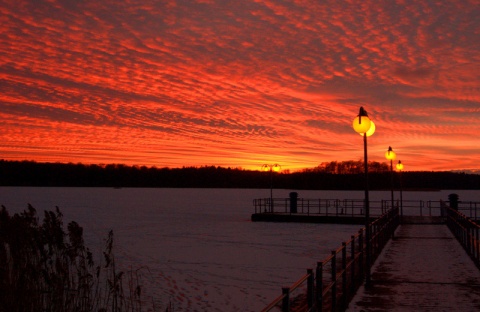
[(46, 268)]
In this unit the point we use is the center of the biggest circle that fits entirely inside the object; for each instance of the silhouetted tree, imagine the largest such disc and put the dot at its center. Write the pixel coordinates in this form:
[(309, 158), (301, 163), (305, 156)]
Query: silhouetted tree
[(328, 175)]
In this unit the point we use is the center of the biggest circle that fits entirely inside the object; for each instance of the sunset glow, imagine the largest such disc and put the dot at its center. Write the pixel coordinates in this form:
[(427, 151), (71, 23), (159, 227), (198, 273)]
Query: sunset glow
[(240, 83)]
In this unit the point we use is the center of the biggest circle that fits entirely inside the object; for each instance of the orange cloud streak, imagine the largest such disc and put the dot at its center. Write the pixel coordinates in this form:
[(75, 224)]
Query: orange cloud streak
[(239, 84)]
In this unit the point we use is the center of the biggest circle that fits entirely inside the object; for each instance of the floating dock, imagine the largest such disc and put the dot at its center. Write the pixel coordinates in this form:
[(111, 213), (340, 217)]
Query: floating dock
[(304, 218)]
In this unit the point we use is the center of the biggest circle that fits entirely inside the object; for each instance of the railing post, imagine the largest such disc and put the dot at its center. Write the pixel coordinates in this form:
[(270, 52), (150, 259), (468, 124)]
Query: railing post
[(319, 288), (344, 275), (334, 280), (469, 238), (310, 288), (391, 222), (477, 247), (362, 254), (475, 211), (286, 299), (373, 239), (352, 265), (472, 240)]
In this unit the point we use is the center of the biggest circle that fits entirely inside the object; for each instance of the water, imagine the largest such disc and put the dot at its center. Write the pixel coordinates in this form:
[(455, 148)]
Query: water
[(197, 248)]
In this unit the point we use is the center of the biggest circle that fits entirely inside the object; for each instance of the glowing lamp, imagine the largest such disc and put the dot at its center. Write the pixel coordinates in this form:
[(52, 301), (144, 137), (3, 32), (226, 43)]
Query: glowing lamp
[(390, 154), (399, 166), (361, 123), (275, 167), (370, 131)]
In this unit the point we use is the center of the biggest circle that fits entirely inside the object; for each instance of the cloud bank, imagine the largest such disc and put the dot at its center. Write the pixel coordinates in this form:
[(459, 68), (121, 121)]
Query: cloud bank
[(239, 83)]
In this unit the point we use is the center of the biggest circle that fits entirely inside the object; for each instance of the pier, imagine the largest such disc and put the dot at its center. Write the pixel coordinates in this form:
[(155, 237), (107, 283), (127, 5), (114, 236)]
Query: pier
[(428, 261), (423, 269), (349, 211)]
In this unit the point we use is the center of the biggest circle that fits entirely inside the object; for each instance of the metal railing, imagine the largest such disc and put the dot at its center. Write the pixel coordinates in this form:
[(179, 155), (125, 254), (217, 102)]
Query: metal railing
[(320, 206), (354, 207), (337, 278), (467, 208), (465, 230)]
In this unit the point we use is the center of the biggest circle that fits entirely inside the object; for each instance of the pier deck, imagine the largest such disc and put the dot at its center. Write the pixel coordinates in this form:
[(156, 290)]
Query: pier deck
[(423, 269)]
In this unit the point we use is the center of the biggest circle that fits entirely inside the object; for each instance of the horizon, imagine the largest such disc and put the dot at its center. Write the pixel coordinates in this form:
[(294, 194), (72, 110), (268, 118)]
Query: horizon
[(240, 84), (281, 171)]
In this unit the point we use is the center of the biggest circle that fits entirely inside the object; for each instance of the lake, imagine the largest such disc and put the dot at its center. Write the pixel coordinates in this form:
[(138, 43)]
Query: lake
[(197, 248)]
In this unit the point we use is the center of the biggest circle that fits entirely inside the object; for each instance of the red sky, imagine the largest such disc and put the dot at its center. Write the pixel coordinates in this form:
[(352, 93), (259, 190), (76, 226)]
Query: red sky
[(240, 83)]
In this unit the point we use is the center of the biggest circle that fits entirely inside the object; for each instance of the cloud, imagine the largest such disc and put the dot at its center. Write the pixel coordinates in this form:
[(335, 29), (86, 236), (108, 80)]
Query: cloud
[(237, 83), (416, 74)]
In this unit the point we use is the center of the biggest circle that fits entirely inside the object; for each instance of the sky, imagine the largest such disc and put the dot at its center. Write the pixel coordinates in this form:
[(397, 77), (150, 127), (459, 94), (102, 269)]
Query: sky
[(240, 83)]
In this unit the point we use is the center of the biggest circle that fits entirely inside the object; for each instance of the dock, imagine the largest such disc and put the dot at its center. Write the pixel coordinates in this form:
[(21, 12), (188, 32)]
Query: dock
[(348, 211), (429, 261), (301, 210), (304, 218), (424, 268)]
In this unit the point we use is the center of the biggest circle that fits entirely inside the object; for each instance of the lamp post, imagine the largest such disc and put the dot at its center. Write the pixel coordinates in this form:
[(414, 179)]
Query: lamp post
[(390, 155), (365, 127), (271, 168), (400, 168)]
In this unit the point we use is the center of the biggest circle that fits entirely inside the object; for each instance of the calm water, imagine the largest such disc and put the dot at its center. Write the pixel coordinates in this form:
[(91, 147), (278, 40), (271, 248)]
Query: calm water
[(197, 247)]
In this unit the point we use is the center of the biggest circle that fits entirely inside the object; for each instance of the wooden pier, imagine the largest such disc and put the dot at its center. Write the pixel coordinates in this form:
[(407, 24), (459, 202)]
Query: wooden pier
[(423, 269), (431, 264)]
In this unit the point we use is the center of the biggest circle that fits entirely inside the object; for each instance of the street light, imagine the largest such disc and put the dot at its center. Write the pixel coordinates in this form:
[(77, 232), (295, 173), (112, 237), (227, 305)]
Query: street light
[(271, 168), (365, 127), (390, 155), (400, 168)]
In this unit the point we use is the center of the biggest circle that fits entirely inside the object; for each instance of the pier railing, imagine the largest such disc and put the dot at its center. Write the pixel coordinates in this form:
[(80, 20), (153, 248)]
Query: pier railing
[(466, 231), (354, 207), (337, 278), (320, 206)]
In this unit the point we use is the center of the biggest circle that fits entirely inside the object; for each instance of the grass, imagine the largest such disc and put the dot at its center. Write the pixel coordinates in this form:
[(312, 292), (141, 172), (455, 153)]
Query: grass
[(45, 268)]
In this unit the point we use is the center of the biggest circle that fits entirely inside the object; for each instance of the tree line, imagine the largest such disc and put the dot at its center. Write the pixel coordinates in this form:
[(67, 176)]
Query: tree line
[(349, 167), (327, 176)]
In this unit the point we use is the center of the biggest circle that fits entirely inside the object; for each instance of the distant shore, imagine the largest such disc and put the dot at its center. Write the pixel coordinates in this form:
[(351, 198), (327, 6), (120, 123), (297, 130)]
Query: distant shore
[(30, 173)]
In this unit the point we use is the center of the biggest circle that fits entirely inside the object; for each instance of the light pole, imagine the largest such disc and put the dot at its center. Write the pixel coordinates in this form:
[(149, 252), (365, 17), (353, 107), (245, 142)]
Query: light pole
[(390, 155), (400, 168), (271, 168), (365, 127)]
